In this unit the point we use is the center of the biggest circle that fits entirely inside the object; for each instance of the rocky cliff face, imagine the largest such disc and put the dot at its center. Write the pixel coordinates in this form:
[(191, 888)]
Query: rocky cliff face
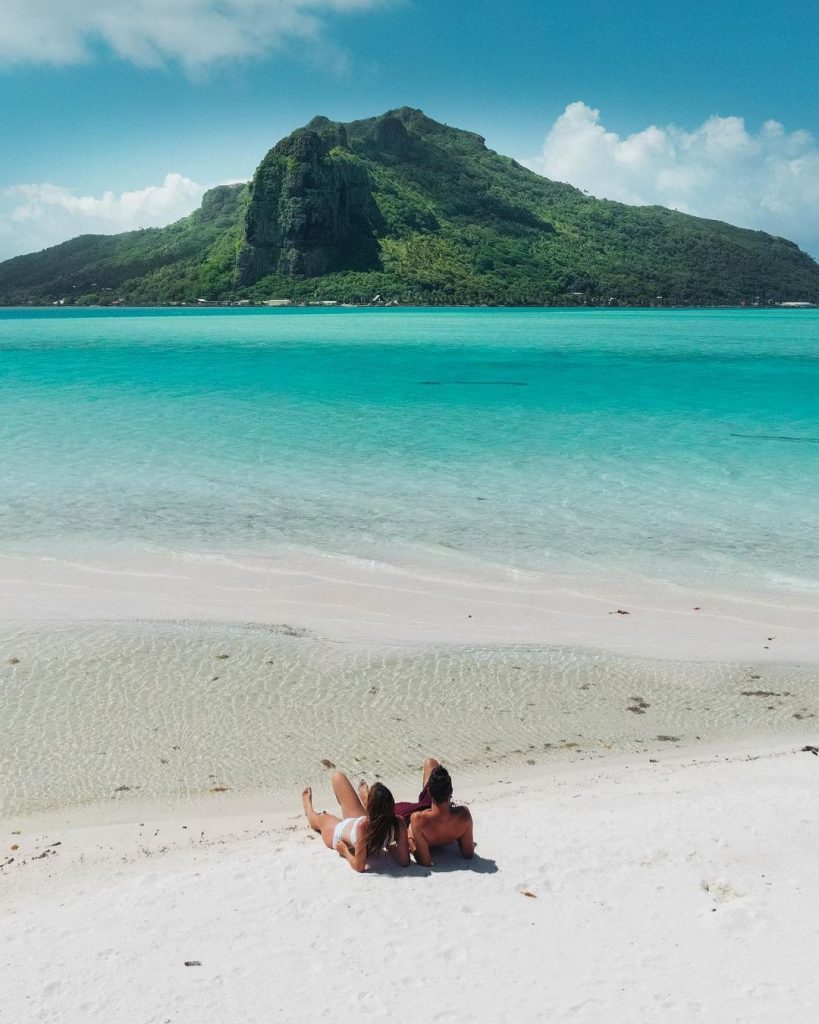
[(311, 209)]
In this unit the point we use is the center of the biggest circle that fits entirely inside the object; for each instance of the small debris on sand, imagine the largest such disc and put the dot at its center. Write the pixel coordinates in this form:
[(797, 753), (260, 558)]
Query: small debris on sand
[(668, 739), (531, 895), (221, 657), (219, 789), (810, 750), (327, 762), (764, 693), (193, 963), (14, 661), (285, 629)]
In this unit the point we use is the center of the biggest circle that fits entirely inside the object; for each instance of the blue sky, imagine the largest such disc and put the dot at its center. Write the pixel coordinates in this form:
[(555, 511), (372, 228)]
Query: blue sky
[(117, 114)]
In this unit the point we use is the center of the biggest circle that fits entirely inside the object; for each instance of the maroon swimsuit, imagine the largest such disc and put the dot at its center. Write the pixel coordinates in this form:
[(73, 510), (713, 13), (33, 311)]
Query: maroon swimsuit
[(405, 810)]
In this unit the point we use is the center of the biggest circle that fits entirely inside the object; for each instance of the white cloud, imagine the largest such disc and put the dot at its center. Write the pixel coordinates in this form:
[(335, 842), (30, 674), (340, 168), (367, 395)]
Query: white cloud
[(154, 32), (768, 179), (35, 216)]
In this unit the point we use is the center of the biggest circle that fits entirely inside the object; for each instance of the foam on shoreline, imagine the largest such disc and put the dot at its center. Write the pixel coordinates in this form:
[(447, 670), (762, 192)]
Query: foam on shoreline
[(459, 601)]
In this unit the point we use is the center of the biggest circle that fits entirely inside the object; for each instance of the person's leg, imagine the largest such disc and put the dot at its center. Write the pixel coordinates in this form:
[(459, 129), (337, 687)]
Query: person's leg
[(321, 821), (429, 767), (351, 806)]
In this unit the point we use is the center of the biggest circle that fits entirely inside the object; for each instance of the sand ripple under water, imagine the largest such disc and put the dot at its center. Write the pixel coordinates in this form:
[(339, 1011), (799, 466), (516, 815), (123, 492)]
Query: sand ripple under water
[(105, 713)]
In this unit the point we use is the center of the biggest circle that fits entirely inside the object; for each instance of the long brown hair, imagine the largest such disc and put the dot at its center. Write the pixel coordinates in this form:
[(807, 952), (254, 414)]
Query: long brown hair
[(382, 823)]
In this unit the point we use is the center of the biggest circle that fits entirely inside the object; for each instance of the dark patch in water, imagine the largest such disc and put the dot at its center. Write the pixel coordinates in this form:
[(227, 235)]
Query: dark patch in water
[(778, 437), (764, 693), (491, 383)]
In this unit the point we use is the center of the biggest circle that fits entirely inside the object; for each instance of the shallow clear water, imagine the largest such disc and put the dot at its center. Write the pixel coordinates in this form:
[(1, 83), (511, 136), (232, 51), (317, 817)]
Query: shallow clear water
[(675, 444), (106, 713)]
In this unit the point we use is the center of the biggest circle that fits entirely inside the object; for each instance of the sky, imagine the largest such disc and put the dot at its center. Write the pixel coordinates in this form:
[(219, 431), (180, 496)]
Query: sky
[(117, 114)]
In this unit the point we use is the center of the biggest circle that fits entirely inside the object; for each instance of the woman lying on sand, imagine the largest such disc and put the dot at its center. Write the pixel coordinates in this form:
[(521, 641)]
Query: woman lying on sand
[(362, 831)]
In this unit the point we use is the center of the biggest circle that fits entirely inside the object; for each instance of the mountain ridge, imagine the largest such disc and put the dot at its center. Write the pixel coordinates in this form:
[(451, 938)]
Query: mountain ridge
[(414, 211)]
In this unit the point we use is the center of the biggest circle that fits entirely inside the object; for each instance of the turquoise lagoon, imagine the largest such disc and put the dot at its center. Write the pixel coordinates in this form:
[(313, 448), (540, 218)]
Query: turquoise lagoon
[(666, 444)]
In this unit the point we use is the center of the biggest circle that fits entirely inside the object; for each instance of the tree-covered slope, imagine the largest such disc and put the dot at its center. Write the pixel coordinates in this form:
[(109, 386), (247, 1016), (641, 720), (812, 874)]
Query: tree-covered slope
[(409, 209), (194, 256)]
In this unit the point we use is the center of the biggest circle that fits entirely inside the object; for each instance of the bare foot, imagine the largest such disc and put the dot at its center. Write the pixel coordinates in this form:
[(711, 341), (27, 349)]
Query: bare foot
[(363, 792), (313, 819)]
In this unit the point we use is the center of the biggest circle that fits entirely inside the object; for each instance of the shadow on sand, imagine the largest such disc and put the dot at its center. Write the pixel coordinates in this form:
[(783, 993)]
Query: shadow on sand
[(449, 859), (444, 859)]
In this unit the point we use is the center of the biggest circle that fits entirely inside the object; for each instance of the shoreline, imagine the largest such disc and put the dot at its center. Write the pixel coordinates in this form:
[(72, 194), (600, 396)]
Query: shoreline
[(335, 306), (240, 810), (344, 598)]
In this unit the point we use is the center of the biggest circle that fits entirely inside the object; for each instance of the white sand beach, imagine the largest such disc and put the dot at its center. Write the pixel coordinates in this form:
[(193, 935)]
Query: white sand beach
[(623, 873), (679, 888)]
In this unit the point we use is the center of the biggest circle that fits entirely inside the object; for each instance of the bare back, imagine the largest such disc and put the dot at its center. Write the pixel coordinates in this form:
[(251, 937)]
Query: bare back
[(441, 824)]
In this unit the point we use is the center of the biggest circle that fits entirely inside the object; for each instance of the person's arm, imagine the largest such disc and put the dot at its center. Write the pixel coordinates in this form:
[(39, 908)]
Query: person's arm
[(467, 841), (357, 860), (400, 848), (420, 845)]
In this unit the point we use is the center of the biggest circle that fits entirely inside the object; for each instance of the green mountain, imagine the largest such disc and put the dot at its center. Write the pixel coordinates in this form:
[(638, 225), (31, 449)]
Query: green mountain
[(411, 210)]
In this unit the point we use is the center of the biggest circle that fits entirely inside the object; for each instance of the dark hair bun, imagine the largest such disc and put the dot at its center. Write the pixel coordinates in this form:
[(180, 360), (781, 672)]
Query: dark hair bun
[(440, 784)]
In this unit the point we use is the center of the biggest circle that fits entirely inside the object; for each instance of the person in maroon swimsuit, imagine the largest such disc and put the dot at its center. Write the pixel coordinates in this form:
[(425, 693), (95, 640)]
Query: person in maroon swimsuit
[(433, 819)]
